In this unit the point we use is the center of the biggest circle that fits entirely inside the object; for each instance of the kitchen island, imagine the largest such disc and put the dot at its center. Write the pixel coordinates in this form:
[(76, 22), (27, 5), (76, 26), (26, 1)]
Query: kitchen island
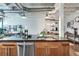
[(38, 47)]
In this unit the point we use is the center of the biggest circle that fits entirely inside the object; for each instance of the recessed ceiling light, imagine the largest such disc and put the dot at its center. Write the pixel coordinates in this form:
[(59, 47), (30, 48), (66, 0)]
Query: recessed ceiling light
[(24, 17)]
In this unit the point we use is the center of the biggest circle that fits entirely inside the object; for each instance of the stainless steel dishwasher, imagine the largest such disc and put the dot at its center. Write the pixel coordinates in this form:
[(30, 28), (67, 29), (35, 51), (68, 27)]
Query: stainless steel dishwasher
[(25, 49)]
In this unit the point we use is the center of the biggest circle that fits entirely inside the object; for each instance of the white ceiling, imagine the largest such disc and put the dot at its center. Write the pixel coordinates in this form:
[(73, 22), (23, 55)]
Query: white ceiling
[(38, 5), (3, 6), (71, 7), (68, 6), (30, 6)]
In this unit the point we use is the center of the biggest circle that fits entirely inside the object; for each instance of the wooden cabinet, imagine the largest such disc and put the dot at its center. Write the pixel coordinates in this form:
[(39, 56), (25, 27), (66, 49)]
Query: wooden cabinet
[(40, 51), (40, 48), (8, 49), (65, 48), (45, 48), (51, 49)]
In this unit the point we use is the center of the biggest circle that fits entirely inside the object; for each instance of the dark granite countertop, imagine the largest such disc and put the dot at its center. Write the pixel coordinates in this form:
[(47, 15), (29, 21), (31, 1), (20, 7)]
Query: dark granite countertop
[(17, 39), (71, 41)]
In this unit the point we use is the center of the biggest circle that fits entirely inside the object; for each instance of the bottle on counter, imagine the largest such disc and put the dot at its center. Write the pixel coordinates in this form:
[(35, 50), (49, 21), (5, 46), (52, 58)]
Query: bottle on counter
[(56, 29), (26, 34)]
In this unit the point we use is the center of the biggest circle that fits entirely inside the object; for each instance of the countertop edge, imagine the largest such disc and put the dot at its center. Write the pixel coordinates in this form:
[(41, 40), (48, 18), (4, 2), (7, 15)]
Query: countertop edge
[(72, 41)]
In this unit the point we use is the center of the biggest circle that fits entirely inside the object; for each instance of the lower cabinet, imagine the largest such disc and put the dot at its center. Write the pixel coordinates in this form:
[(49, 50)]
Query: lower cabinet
[(38, 49), (52, 52), (51, 49), (8, 49)]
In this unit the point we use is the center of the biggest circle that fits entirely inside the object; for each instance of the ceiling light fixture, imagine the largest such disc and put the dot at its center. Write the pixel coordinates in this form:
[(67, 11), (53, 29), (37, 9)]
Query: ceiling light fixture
[(23, 15)]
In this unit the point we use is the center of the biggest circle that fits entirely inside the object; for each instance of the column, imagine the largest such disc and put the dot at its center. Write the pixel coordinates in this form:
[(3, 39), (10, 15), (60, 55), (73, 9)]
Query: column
[(61, 21)]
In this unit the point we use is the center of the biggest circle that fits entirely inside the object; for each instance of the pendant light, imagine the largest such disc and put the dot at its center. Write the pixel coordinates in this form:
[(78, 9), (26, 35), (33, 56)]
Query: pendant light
[(23, 13)]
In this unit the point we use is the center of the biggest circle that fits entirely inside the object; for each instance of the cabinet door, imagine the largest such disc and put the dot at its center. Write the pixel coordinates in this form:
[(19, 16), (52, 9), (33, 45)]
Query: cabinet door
[(1, 51), (12, 50), (8, 49), (40, 48), (52, 52), (65, 49), (53, 49), (40, 51), (47, 48), (58, 49)]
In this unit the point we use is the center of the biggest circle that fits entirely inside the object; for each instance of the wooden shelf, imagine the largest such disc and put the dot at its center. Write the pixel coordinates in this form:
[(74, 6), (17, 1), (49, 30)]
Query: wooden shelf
[(51, 19)]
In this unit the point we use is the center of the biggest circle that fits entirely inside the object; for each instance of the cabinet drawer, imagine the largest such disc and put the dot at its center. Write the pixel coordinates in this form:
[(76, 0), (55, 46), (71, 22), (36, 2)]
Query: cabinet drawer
[(40, 44), (47, 44), (53, 44), (8, 43)]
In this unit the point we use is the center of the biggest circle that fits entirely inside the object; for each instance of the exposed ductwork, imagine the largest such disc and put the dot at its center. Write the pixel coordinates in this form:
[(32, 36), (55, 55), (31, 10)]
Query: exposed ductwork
[(25, 7)]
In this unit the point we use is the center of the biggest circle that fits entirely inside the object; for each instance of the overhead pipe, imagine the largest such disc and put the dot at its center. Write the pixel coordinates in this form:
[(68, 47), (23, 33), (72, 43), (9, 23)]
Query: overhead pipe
[(12, 11), (18, 6), (22, 8)]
